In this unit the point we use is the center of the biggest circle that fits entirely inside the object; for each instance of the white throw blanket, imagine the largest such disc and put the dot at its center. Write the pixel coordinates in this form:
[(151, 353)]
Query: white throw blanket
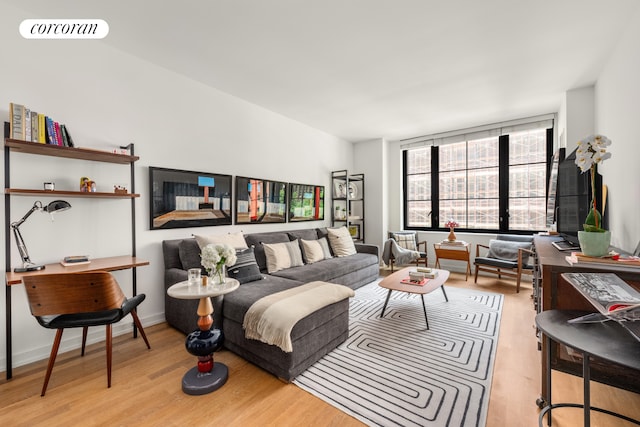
[(271, 318)]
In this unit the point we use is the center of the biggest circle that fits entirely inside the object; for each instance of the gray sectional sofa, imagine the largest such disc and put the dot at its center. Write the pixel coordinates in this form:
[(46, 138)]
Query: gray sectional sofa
[(313, 336)]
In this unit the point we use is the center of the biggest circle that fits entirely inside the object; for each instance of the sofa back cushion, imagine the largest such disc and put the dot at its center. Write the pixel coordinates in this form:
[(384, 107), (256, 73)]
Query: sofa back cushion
[(315, 250), (255, 241), (307, 234), (341, 242), (189, 253), (281, 256), (235, 240)]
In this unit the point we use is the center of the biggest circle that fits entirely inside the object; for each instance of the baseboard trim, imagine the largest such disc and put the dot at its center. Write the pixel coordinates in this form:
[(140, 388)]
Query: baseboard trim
[(72, 340)]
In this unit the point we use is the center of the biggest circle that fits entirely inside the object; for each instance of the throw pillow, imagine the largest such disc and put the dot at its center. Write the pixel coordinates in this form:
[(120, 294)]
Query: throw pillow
[(282, 255), (189, 253), (506, 250), (246, 268), (406, 240), (341, 241), (315, 250), (235, 240)]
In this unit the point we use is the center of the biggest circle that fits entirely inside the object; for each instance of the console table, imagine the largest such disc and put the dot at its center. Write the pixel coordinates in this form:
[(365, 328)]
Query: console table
[(551, 292), (607, 340), (96, 264), (456, 252)]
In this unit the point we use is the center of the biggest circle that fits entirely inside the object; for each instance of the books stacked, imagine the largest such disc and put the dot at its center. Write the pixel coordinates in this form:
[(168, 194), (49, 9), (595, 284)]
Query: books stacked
[(409, 281), (453, 243), (72, 260), (619, 262), (429, 273), (28, 125)]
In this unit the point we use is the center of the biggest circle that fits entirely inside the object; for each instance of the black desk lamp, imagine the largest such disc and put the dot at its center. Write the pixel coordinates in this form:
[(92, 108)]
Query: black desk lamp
[(27, 265)]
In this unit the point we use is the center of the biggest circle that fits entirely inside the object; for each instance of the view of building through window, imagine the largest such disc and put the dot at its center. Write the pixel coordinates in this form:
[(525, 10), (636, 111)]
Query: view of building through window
[(527, 180), (468, 179), (418, 203)]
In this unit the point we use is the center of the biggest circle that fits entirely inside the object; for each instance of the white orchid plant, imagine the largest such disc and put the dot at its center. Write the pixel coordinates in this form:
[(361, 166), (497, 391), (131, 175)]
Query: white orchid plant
[(591, 151), (214, 257)]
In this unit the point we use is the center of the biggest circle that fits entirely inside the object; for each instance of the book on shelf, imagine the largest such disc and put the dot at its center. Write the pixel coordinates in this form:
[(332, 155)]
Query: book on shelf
[(71, 260), (71, 264), (42, 129), (65, 136), (50, 132), (34, 126), (56, 129), (76, 258), (16, 121), (614, 299), (27, 124)]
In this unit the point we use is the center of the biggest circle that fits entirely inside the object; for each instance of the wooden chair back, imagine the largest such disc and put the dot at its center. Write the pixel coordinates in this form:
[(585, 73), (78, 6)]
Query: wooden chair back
[(69, 293)]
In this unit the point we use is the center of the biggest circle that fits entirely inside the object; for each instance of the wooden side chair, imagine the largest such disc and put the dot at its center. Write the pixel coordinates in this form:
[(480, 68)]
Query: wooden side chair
[(79, 300), (507, 255), (409, 240)]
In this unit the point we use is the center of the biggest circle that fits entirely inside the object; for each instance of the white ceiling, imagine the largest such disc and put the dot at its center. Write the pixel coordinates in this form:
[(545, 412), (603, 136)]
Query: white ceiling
[(364, 69)]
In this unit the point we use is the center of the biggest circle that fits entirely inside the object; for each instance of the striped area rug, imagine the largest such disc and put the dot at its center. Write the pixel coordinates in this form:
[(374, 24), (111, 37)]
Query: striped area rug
[(392, 371)]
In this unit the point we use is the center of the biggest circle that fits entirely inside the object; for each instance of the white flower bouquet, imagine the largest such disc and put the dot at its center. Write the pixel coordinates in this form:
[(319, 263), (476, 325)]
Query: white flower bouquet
[(215, 257)]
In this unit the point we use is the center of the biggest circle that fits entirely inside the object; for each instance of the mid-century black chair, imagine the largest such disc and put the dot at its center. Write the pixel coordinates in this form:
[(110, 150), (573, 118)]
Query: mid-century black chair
[(507, 255), (79, 300), (409, 240)]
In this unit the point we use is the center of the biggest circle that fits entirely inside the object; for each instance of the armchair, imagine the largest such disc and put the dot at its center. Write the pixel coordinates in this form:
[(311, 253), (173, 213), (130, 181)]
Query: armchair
[(79, 300), (408, 240), (507, 255)]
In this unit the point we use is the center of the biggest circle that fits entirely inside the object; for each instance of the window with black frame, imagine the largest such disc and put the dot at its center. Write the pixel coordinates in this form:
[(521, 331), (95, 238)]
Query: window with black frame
[(486, 183)]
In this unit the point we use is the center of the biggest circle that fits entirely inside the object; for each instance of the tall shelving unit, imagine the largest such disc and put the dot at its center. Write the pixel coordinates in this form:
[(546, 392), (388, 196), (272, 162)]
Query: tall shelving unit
[(108, 264), (347, 202)]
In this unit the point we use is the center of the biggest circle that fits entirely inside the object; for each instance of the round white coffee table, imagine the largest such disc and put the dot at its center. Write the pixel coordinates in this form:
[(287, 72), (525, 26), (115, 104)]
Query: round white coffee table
[(207, 376)]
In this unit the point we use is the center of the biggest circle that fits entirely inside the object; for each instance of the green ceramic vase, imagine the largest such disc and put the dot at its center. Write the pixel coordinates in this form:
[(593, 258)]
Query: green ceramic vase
[(594, 244)]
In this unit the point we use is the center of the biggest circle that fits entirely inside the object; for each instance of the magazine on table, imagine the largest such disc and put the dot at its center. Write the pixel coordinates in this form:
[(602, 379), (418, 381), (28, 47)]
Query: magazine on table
[(611, 296)]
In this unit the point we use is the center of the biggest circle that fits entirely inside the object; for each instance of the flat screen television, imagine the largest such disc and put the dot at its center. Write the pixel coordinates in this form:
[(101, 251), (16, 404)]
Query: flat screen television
[(574, 198)]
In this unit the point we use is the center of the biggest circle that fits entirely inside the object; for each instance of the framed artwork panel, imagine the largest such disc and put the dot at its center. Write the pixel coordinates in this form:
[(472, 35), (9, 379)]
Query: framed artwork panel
[(354, 231), (306, 202), (181, 198), (260, 201)]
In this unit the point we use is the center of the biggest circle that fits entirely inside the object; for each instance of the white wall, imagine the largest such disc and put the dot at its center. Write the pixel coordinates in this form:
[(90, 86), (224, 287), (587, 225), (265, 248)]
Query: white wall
[(370, 158), (580, 116), (616, 116), (109, 98)]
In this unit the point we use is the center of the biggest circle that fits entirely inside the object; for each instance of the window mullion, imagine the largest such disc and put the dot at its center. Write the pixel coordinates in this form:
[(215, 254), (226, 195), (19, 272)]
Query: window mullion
[(503, 172), (435, 187)]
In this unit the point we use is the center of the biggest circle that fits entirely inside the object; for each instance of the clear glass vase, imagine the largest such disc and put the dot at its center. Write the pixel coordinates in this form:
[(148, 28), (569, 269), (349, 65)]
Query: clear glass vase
[(219, 275)]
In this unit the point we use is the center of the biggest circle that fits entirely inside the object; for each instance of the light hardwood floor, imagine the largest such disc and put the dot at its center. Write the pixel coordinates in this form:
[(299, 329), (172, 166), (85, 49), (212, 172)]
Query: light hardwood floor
[(146, 390)]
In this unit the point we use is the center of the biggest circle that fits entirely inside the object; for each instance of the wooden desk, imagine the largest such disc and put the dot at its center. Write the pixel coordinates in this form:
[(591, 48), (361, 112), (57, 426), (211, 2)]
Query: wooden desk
[(453, 252), (96, 264), (553, 292)]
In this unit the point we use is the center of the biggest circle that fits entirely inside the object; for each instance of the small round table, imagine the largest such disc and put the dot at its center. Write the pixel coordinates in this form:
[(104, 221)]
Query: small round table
[(207, 376)]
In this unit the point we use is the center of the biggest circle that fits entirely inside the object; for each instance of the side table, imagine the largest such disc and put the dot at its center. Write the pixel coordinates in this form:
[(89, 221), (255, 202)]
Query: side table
[(453, 251), (606, 340), (207, 376)]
